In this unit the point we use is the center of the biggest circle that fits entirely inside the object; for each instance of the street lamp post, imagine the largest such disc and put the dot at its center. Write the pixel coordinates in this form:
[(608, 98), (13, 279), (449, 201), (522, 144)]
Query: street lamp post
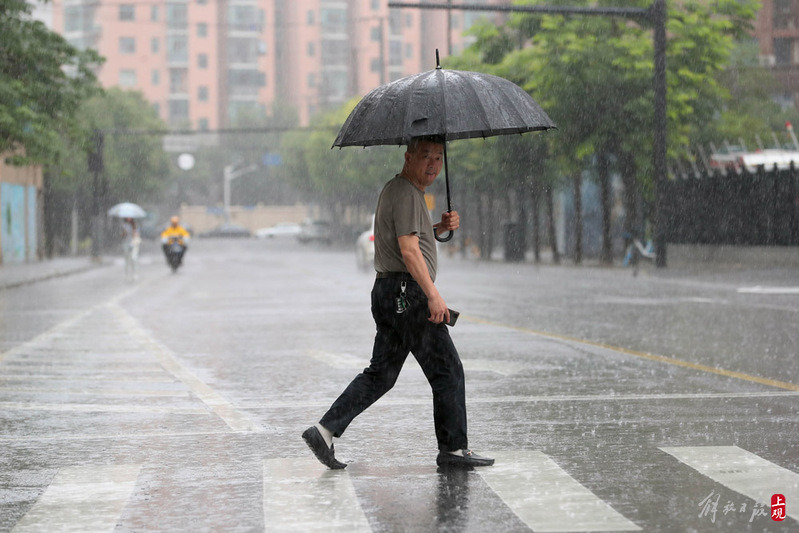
[(229, 175)]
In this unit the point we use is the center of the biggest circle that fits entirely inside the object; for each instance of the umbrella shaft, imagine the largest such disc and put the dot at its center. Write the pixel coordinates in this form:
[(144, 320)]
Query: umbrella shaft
[(446, 179)]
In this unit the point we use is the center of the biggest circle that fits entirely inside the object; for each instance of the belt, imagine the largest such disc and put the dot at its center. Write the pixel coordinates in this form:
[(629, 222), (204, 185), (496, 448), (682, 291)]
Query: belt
[(395, 275)]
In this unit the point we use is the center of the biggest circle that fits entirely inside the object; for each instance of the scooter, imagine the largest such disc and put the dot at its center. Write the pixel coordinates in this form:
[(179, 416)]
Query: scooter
[(174, 249)]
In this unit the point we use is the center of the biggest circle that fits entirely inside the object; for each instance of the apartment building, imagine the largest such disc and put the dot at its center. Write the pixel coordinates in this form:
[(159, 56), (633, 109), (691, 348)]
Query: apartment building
[(202, 63), (777, 33)]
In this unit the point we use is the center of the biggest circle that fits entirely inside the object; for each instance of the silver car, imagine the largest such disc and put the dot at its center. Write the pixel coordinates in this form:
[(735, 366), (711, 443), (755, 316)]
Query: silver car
[(365, 248)]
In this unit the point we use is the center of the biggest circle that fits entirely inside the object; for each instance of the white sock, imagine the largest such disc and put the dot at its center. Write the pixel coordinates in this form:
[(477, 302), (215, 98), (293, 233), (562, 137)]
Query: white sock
[(326, 434), (456, 452)]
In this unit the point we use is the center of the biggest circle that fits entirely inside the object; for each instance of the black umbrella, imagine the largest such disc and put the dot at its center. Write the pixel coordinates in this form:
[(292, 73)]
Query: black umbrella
[(452, 104)]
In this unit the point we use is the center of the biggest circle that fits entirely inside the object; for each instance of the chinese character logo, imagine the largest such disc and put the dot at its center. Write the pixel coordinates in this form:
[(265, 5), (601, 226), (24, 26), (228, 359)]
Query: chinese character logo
[(777, 507)]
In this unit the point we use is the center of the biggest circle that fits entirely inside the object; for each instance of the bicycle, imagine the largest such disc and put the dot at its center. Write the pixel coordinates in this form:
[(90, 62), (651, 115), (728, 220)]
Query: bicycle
[(636, 251)]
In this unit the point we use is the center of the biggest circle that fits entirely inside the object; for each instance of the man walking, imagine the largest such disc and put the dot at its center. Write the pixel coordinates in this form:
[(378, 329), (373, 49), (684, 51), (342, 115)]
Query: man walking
[(410, 315)]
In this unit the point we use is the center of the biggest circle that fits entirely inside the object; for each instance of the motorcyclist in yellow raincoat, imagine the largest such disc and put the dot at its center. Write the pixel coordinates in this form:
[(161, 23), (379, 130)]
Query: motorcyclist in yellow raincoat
[(172, 233)]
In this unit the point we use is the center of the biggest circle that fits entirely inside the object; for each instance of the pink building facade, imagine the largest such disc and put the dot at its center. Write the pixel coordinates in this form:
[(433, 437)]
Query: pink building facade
[(205, 63)]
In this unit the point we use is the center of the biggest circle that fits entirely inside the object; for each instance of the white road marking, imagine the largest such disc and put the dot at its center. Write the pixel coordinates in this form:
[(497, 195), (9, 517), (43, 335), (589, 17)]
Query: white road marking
[(237, 420), (546, 498), (82, 499), (342, 361), (757, 289), (743, 472), (101, 408), (302, 495)]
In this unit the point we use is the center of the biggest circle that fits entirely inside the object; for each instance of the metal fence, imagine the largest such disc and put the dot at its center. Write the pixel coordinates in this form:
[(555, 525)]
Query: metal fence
[(733, 209)]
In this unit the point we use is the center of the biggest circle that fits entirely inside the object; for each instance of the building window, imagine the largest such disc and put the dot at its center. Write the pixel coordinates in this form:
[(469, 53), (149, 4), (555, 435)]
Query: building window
[(127, 45), (202, 2), (782, 51), (154, 13), (244, 18), (408, 51), (202, 124), (156, 77), (311, 80), (395, 22), (127, 78), (408, 20), (157, 108), (334, 52), (202, 93), (311, 50), (177, 49), (375, 5), (375, 33), (375, 65), (335, 85), (242, 50), (202, 60), (334, 20), (178, 81), (202, 29), (177, 16), (395, 53), (154, 45), (73, 18), (311, 18), (127, 12), (245, 82), (178, 110)]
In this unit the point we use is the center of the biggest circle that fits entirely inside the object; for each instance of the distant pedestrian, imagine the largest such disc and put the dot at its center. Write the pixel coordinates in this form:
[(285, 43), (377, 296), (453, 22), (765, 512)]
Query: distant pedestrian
[(410, 315), (131, 241)]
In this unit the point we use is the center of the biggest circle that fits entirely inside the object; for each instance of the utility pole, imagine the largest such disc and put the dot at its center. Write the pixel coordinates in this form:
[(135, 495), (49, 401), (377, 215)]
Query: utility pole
[(229, 175), (96, 167)]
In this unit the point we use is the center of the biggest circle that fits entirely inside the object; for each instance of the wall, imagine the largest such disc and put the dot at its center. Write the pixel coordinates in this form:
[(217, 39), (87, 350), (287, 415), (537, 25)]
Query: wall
[(20, 213), (201, 218)]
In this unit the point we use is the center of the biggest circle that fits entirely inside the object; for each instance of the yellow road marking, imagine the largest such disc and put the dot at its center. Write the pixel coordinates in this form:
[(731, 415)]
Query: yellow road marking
[(643, 355)]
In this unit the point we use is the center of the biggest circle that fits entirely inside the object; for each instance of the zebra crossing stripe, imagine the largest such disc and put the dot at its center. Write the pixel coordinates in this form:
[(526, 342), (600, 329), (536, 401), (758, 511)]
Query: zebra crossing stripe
[(301, 495), (743, 472), (82, 498), (546, 498)]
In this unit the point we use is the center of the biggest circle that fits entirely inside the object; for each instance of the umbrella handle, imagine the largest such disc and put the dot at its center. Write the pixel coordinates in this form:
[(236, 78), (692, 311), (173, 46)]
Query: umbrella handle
[(446, 238)]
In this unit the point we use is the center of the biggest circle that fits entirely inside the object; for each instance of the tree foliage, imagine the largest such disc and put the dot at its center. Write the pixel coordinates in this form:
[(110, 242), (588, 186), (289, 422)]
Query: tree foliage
[(349, 176), (43, 81), (136, 168)]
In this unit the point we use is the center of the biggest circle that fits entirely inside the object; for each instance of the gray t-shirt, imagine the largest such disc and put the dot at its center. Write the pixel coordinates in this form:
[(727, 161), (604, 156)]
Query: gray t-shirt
[(401, 210)]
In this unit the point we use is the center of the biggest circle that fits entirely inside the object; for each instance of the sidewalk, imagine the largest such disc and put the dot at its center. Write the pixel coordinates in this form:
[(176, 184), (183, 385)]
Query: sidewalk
[(16, 274)]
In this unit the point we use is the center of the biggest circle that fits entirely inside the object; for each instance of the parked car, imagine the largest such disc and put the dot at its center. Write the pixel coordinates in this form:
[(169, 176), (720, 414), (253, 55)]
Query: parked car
[(227, 231), (315, 231), (279, 230), (365, 248)]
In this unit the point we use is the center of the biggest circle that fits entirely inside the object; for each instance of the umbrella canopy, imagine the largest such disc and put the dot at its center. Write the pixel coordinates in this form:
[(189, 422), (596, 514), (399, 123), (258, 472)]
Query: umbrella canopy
[(450, 104), (127, 210), (453, 104)]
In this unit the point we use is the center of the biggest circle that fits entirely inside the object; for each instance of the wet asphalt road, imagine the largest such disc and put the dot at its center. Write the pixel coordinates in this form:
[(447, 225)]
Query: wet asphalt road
[(666, 402)]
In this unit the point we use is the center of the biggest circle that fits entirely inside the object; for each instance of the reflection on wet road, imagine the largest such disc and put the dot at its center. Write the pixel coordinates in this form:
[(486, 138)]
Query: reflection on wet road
[(177, 404)]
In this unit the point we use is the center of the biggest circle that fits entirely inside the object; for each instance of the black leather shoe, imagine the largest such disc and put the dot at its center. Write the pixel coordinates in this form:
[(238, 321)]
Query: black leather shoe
[(316, 442), (465, 459)]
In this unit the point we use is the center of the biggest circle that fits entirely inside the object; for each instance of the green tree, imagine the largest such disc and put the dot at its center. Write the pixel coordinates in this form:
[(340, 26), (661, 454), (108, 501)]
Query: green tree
[(136, 168), (338, 178), (43, 81), (593, 76)]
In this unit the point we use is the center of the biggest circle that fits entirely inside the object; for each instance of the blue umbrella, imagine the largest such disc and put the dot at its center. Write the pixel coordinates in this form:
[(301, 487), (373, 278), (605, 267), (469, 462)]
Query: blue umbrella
[(127, 210)]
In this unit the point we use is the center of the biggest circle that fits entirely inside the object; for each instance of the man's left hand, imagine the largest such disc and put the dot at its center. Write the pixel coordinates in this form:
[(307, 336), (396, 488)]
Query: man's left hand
[(450, 221)]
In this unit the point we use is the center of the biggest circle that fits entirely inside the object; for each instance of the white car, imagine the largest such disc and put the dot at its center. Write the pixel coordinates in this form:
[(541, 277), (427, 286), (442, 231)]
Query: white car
[(279, 230), (365, 248)]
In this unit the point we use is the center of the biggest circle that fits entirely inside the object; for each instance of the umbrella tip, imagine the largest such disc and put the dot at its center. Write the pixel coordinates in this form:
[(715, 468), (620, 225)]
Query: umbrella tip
[(438, 61)]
